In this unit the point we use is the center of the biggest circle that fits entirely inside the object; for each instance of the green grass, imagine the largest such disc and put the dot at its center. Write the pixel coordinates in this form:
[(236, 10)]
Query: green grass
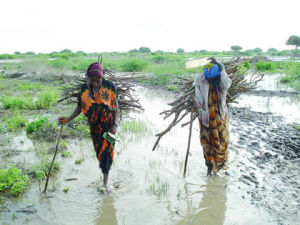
[(133, 126), (45, 100), (40, 169), (16, 121), (79, 160), (63, 144), (65, 154), (42, 128), (134, 64), (159, 189), (292, 75), (80, 124), (173, 87), (244, 67), (8, 56), (13, 181), (265, 66), (3, 128), (25, 86), (17, 102)]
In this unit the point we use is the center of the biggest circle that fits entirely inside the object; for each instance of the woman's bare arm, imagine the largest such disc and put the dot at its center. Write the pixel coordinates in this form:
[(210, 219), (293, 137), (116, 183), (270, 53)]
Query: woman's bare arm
[(64, 120)]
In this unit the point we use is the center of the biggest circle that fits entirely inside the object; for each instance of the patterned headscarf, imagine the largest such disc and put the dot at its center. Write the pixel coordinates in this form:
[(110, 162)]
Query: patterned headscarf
[(95, 70)]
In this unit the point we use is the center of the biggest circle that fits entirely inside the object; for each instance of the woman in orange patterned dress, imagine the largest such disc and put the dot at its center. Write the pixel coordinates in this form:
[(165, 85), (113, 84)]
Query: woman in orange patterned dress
[(98, 102), (210, 91)]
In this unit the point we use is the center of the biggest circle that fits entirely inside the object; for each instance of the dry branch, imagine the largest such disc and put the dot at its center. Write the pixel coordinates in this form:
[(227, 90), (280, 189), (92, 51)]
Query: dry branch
[(124, 88)]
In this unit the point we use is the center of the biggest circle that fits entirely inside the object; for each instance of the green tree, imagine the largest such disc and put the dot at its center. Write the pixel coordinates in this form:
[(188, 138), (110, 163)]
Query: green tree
[(29, 53), (294, 40), (66, 51), (180, 50), (203, 51), (133, 51), (144, 50), (272, 50), (257, 51), (236, 48)]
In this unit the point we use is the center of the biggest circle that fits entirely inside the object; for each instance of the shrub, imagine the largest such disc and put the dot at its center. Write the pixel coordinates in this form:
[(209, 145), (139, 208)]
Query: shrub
[(24, 86), (47, 99), (79, 160), (265, 66), (16, 121), (173, 87), (65, 154), (144, 50), (40, 169), (42, 128), (13, 181), (7, 56), (15, 102), (158, 59), (80, 124), (134, 64), (133, 126)]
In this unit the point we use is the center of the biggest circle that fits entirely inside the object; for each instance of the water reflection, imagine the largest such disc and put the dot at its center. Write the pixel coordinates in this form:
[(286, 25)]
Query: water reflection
[(106, 213), (212, 207)]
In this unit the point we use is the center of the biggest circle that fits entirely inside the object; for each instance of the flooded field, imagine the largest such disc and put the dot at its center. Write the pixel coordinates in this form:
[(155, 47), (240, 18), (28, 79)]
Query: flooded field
[(261, 185)]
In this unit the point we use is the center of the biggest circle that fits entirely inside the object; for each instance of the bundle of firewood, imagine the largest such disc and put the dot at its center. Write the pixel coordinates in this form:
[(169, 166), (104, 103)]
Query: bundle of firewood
[(181, 107), (124, 88)]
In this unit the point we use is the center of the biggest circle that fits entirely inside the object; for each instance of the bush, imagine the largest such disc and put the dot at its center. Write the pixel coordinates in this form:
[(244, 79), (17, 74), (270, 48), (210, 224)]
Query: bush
[(47, 99), (40, 169), (292, 71), (15, 102), (25, 86), (7, 56), (132, 65), (159, 59), (263, 66), (42, 128), (80, 124), (13, 181), (245, 67), (16, 121)]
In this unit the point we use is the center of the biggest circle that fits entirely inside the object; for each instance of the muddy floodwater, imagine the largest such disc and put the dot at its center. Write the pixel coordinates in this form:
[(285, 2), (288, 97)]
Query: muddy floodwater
[(261, 185)]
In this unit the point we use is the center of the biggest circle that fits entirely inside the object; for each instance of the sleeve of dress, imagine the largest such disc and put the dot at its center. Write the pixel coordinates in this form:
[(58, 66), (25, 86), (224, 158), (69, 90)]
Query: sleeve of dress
[(225, 81), (198, 96)]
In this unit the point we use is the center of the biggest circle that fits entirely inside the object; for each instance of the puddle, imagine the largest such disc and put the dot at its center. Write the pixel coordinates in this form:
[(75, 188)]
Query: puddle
[(151, 189)]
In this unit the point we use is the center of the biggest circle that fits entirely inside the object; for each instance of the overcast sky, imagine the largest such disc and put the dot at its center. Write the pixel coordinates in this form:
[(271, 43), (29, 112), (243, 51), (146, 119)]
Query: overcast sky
[(121, 25)]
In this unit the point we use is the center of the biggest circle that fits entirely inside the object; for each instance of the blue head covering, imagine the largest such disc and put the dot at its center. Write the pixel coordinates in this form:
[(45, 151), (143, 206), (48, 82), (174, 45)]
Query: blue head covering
[(212, 72)]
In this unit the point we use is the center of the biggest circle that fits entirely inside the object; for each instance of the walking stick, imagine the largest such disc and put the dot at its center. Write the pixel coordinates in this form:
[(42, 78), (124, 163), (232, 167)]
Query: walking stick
[(56, 149), (189, 141)]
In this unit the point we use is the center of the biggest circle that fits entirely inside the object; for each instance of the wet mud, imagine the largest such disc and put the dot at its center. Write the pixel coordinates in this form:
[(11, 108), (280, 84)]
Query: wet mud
[(261, 185)]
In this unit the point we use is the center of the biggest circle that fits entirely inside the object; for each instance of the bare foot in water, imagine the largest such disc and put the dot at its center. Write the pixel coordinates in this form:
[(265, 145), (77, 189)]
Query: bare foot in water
[(107, 189)]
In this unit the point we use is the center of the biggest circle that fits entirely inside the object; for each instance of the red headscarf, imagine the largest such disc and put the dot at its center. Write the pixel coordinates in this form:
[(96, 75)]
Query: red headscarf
[(95, 70)]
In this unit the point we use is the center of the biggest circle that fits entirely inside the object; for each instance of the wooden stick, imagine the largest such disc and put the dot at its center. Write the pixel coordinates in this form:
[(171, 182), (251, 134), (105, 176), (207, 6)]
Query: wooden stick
[(56, 149), (189, 141)]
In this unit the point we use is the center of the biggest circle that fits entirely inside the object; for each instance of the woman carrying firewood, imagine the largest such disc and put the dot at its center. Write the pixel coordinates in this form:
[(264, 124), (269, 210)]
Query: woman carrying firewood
[(210, 100), (98, 102)]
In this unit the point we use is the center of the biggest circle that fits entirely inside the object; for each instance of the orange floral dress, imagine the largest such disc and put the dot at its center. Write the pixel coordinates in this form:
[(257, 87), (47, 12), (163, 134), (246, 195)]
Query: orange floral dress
[(100, 108)]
